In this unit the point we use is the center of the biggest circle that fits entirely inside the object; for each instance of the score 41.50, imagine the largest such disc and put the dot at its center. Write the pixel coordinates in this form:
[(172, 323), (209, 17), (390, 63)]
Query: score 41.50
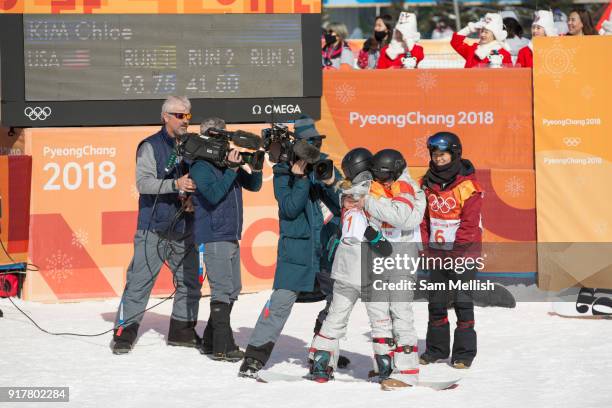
[(73, 174)]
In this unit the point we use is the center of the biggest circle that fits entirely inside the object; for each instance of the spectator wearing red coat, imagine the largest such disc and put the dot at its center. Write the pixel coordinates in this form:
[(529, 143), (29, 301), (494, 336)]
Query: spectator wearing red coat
[(403, 52), (543, 26), (491, 51)]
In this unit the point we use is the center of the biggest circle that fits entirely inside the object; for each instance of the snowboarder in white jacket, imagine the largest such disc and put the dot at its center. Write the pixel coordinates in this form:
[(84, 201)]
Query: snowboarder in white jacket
[(393, 205)]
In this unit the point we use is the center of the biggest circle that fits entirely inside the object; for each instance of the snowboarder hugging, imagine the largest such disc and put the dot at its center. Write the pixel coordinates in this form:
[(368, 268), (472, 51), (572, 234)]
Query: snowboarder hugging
[(393, 206), (451, 227)]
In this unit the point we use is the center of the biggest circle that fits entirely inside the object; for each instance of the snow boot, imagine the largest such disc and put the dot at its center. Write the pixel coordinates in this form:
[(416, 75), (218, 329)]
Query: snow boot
[(124, 338), (427, 358), (384, 363), (183, 334), (461, 364), (321, 371), (250, 367), (224, 348), (207, 337)]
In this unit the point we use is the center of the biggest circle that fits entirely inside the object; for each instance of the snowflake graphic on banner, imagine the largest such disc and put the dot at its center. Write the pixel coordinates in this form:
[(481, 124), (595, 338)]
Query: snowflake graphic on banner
[(558, 62), (515, 124), (427, 81), (515, 186), (482, 88), (345, 93), (58, 266), (420, 150), (80, 238)]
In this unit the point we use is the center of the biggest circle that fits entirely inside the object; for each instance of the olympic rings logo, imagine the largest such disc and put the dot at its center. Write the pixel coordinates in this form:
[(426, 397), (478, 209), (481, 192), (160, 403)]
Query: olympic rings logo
[(572, 141), (440, 204), (37, 112)]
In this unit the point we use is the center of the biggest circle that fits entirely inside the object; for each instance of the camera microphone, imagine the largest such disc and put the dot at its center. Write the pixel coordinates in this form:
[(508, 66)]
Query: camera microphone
[(307, 152), (377, 242)]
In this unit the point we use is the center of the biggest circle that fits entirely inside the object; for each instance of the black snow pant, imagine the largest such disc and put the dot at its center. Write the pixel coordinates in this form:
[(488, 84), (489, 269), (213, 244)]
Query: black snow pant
[(438, 328)]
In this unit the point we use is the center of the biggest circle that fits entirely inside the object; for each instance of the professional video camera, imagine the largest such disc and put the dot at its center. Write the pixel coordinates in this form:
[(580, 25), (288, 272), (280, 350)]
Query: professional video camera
[(284, 147), (214, 146)]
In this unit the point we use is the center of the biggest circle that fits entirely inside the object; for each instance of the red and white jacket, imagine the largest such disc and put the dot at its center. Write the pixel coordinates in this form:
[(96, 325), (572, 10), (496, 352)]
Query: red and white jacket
[(453, 215), (469, 53), (385, 62)]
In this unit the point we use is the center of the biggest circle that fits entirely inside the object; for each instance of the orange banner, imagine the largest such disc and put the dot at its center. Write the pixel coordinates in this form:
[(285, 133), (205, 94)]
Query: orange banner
[(489, 109), (159, 6), (573, 150), (84, 199)]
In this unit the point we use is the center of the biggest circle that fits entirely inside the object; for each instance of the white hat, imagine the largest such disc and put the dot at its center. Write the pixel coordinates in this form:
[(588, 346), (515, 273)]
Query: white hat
[(560, 22), (545, 19), (494, 23), (407, 25), (509, 14)]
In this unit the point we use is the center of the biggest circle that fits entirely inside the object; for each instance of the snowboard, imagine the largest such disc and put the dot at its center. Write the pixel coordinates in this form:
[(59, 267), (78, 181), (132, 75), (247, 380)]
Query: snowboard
[(268, 376), (589, 303)]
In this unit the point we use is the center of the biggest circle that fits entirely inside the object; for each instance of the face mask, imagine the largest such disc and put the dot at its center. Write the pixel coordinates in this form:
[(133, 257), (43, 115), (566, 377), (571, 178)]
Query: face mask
[(380, 35), (330, 39)]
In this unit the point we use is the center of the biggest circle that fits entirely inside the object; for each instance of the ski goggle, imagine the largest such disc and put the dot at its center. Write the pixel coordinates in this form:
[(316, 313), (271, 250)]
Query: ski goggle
[(438, 143)]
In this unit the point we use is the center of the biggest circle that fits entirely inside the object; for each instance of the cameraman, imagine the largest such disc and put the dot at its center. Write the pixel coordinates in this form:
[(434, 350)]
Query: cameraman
[(218, 227), (163, 234), (305, 206)]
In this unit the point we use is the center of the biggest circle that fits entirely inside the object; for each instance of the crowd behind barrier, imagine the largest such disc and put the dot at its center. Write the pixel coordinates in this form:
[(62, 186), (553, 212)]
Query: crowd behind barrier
[(496, 40)]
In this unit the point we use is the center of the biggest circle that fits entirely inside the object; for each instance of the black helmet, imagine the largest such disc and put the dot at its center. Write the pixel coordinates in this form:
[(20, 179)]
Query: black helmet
[(445, 142), (388, 164), (356, 161)]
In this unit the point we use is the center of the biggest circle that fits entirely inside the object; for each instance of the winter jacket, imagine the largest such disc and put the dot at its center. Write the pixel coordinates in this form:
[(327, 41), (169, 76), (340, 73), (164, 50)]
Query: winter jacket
[(334, 57), (157, 212), (217, 203), (468, 52), (301, 227), (525, 58), (384, 62), (397, 211), (453, 217)]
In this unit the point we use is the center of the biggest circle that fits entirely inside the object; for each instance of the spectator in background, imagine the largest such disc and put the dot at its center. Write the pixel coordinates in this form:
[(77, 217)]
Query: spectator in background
[(543, 26), (491, 50), (403, 52), (581, 23), (515, 39), (383, 32), (606, 26), (560, 22), (336, 50), (442, 30)]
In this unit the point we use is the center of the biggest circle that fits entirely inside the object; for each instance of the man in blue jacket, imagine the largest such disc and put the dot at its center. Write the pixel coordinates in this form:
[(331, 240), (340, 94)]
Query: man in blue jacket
[(305, 205), (218, 228), (163, 234)]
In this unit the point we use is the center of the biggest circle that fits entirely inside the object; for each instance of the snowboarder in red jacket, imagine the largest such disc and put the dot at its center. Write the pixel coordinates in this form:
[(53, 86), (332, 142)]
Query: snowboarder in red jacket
[(451, 229)]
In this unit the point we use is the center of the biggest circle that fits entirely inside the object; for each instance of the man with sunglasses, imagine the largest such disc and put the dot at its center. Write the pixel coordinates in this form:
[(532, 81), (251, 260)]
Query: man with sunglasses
[(163, 234), (307, 207)]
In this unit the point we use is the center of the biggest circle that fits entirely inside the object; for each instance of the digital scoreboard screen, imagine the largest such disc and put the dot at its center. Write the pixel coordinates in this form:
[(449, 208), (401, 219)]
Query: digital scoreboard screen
[(115, 69)]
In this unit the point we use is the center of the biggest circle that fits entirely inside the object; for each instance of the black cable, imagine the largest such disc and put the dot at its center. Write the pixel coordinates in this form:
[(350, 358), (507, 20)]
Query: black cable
[(153, 276)]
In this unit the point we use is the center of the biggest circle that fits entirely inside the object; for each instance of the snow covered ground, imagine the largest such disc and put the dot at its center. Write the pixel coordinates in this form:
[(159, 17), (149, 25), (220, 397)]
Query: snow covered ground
[(526, 358)]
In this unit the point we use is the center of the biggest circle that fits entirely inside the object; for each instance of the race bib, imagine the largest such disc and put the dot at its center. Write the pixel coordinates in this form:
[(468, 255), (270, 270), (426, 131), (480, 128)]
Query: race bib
[(442, 233), (354, 224)]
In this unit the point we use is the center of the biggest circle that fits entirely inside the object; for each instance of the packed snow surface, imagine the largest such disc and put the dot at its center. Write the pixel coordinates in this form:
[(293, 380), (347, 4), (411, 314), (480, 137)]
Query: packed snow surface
[(526, 358)]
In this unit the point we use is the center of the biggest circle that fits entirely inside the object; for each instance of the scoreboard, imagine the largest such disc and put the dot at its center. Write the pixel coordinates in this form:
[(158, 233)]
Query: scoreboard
[(116, 69)]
